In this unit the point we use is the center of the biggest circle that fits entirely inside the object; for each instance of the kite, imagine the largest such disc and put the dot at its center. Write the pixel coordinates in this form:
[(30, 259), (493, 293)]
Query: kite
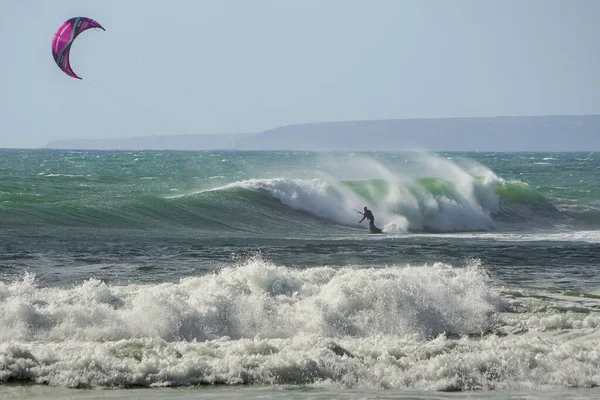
[(64, 37)]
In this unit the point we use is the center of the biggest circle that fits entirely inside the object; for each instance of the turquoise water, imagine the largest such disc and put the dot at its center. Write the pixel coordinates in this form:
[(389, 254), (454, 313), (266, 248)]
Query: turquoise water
[(178, 269), (214, 191)]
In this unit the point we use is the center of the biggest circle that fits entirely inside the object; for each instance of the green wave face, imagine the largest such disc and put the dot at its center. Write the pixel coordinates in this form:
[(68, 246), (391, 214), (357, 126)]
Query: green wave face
[(370, 190), (521, 193), (513, 192), (376, 189), (438, 186)]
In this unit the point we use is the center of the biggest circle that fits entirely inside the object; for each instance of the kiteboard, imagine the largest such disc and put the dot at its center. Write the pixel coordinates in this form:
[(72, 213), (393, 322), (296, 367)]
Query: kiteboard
[(374, 229)]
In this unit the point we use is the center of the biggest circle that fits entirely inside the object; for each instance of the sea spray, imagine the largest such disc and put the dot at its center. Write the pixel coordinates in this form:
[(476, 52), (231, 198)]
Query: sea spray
[(404, 197), (401, 206)]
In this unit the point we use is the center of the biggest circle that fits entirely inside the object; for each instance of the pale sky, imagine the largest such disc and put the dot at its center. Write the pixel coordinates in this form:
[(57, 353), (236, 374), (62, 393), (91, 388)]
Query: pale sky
[(196, 66)]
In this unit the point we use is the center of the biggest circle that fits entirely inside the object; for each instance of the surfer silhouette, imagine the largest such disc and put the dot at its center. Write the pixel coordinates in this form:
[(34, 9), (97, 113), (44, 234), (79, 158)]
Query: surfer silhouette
[(369, 215)]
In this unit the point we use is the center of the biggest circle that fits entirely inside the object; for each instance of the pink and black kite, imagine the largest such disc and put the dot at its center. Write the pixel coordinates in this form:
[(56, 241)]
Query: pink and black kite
[(64, 37)]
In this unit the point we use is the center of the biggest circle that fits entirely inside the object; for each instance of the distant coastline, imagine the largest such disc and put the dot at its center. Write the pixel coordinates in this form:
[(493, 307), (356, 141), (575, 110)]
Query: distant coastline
[(535, 133)]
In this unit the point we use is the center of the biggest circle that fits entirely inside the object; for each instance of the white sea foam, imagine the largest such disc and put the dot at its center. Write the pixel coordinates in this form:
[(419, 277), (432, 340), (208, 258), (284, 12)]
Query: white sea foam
[(383, 362), (256, 298), (411, 327)]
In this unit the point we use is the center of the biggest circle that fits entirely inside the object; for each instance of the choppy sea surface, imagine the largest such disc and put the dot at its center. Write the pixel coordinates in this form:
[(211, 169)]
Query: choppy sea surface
[(176, 275)]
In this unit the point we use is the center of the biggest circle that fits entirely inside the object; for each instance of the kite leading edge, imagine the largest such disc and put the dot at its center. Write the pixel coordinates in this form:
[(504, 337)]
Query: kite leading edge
[(63, 39)]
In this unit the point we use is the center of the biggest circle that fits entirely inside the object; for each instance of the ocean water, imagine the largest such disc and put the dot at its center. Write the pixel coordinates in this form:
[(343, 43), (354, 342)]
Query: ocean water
[(180, 275)]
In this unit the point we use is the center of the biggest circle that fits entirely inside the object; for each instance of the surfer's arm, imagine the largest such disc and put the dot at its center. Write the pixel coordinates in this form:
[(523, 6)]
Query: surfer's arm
[(363, 218)]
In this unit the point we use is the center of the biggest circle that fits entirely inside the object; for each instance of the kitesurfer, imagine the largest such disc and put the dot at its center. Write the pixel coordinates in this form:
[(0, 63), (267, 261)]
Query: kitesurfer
[(368, 215)]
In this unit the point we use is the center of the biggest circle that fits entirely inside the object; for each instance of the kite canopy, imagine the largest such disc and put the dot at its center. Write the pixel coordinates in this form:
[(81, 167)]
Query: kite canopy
[(64, 37)]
